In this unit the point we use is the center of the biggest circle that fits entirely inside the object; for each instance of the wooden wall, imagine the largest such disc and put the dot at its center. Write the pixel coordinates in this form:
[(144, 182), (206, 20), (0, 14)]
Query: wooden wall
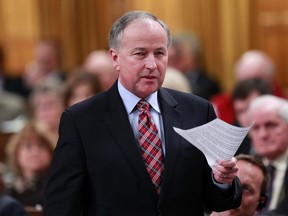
[(227, 28)]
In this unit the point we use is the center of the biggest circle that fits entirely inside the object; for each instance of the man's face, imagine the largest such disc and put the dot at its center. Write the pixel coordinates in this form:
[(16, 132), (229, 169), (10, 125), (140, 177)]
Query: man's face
[(241, 107), (142, 58), (251, 178), (269, 133)]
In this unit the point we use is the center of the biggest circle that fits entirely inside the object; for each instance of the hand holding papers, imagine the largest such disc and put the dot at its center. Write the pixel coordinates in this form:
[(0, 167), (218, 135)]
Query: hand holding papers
[(217, 139)]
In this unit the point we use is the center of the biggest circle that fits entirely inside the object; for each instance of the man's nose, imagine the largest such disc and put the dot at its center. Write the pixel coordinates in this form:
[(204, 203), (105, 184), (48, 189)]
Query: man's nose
[(150, 62)]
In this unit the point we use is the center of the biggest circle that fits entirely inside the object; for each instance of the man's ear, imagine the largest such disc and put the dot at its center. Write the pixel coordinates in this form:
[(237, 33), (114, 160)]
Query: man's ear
[(114, 55)]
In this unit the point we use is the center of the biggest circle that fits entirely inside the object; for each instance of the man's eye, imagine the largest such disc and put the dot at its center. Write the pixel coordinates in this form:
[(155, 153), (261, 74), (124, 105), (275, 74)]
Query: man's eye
[(159, 53), (139, 53)]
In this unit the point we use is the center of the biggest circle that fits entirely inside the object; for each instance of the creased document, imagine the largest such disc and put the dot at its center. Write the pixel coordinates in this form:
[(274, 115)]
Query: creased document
[(217, 139)]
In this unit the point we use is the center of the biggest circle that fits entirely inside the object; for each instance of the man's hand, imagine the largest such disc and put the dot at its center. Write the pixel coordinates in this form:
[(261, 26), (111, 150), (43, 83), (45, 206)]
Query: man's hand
[(225, 171)]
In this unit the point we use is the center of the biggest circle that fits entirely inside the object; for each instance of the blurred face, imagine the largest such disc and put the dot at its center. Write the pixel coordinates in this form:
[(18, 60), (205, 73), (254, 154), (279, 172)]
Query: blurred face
[(46, 57), (251, 178), (142, 58), (80, 93), (100, 63), (241, 107), (48, 109), (269, 133), (33, 155)]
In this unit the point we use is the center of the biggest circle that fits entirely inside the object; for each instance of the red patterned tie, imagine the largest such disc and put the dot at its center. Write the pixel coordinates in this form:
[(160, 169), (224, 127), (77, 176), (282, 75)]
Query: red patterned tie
[(150, 144)]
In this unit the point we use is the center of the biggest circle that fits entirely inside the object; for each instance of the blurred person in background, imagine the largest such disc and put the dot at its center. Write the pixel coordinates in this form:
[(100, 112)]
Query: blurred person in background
[(254, 180), (185, 55), (243, 93), (9, 206), (12, 104), (9, 83), (99, 62), (79, 86), (257, 64), (46, 103), (175, 79), (29, 154), (251, 64), (46, 63), (269, 135)]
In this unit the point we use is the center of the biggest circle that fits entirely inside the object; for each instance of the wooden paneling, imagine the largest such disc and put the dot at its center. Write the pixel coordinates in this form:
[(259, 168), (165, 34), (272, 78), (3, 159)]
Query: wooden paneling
[(222, 26), (269, 32), (227, 29), (19, 28)]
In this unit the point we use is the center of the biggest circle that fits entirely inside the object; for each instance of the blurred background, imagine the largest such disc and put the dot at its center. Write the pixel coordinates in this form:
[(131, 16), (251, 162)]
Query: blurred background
[(227, 28), (54, 53)]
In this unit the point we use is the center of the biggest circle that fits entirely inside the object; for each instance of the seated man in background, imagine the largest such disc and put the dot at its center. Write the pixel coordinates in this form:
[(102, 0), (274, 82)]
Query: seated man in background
[(252, 64), (269, 135), (185, 55), (98, 62), (243, 93), (254, 179)]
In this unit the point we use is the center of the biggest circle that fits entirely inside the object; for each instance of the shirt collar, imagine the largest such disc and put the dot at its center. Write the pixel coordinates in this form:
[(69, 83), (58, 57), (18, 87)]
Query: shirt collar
[(130, 100), (280, 162)]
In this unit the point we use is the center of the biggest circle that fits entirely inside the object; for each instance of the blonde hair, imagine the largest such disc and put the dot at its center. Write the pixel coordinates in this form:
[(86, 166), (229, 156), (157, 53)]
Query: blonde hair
[(13, 144)]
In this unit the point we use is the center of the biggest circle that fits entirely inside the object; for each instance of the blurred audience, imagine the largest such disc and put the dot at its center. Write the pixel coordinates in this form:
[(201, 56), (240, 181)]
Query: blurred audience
[(13, 107), (257, 64), (185, 55), (269, 135), (252, 64), (254, 180), (29, 153), (243, 93), (9, 206), (10, 84), (79, 86), (46, 103), (175, 79), (46, 63), (99, 62)]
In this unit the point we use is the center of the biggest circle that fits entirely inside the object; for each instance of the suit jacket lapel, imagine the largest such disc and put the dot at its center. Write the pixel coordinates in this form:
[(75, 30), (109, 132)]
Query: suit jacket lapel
[(120, 128), (171, 118)]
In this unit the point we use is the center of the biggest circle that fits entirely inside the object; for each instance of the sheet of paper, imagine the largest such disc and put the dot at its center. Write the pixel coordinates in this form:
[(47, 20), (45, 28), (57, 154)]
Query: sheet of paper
[(217, 139)]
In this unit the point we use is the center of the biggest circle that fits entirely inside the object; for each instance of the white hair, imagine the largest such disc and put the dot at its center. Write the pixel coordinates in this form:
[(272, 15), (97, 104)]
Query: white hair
[(175, 79), (254, 64), (272, 102)]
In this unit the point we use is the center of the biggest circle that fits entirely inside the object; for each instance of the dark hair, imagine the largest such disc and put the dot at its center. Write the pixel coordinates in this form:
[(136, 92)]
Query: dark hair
[(80, 76), (257, 161), (119, 26), (244, 88)]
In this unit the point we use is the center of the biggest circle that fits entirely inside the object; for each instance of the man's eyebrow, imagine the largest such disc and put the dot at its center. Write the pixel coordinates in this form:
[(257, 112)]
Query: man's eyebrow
[(139, 49)]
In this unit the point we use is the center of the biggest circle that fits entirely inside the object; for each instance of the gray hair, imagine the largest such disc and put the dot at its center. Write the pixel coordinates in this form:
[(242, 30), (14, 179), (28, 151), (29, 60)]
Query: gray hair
[(260, 60), (191, 40), (119, 26), (276, 103)]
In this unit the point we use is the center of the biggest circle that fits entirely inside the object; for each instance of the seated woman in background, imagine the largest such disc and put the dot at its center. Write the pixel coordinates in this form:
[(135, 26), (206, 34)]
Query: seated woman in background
[(46, 104), (79, 86), (29, 153)]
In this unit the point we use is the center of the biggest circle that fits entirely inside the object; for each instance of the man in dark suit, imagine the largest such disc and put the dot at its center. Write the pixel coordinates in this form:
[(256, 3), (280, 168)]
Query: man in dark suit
[(269, 135), (98, 167), (185, 55)]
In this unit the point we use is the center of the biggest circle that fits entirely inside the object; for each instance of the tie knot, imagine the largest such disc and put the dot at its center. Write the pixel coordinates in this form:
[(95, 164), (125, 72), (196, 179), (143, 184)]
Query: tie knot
[(143, 105)]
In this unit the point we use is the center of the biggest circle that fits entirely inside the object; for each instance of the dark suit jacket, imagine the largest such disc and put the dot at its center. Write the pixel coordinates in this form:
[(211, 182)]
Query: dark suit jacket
[(282, 206), (11, 207), (202, 85), (98, 169)]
